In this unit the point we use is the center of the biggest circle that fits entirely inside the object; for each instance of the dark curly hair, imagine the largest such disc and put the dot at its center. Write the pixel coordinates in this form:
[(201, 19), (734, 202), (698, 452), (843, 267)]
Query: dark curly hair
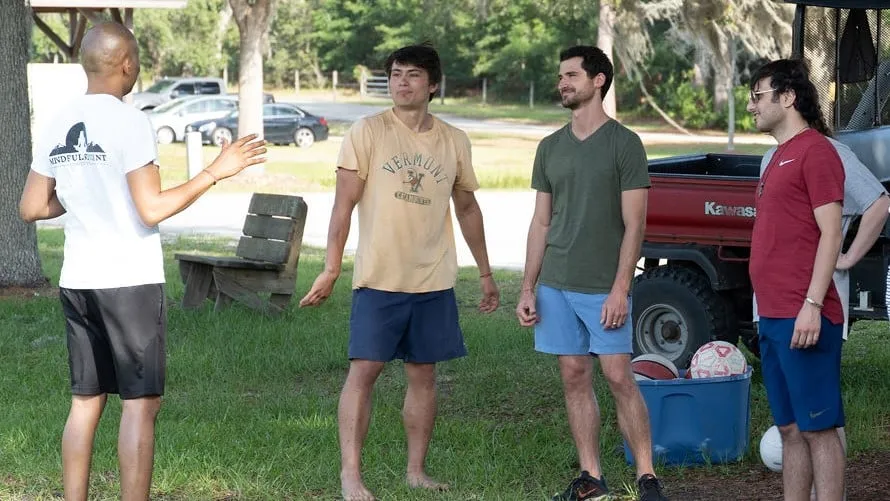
[(794, 75), (423, 56)]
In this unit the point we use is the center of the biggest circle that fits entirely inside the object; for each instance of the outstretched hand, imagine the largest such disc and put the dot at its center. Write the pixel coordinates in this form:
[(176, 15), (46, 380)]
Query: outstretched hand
[(237, 156), (321, 289)]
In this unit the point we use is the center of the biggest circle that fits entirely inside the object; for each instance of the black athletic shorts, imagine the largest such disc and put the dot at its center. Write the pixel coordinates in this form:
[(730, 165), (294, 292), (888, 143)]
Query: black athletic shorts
[(116, 340)]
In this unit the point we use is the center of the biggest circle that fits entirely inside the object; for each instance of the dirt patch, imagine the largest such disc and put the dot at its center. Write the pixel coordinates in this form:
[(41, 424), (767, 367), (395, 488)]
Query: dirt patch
[(866, 480), (28, 292)]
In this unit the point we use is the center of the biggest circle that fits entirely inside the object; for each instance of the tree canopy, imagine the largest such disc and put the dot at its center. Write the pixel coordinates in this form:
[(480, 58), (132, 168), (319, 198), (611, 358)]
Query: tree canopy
[(511, 43)]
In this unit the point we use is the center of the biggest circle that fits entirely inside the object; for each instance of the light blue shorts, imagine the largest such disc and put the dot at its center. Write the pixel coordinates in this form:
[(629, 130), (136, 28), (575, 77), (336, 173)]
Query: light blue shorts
[(569, 324)]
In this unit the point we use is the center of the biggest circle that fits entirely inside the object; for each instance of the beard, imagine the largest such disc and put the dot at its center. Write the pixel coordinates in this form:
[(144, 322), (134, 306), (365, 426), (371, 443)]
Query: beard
[(575, 99), (571, 102)]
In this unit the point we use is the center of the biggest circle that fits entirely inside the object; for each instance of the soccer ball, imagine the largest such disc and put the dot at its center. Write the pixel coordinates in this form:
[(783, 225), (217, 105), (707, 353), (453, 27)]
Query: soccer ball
[(771, 449), (717, 358)]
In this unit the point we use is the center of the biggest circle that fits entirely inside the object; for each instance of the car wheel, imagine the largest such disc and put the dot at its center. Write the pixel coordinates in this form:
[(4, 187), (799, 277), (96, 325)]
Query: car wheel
[(675, 311), (221, 135), (166, 135), (304, 137)]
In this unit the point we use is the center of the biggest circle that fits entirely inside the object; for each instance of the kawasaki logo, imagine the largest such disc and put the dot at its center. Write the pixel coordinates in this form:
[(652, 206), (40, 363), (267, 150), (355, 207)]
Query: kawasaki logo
[(715, 209)]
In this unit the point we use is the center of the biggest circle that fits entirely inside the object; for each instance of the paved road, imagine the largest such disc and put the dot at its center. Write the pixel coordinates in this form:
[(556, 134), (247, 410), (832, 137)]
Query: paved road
[(506, 215), (351, 112)]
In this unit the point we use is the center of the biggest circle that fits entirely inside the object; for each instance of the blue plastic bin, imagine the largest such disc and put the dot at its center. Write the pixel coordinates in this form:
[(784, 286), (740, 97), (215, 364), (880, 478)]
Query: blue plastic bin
[(697, 421)]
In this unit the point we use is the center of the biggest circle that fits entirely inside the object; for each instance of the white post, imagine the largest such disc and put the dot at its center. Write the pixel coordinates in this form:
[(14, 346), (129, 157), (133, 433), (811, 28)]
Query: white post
[(731, 100), (297, 82), (531, 95), (484, 91), (442, 91), (194, 153), (226, 76), (363, 84), (334, 85)]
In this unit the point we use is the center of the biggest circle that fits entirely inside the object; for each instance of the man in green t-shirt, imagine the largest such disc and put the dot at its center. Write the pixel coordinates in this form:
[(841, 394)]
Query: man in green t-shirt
[(584, 241)]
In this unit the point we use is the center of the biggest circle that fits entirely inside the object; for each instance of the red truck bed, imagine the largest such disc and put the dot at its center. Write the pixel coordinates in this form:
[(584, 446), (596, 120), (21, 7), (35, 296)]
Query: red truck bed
[(702, 199)]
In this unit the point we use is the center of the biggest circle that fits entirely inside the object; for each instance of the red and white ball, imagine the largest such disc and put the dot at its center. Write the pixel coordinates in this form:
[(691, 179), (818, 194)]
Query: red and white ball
[(650, 366), (716, 359)]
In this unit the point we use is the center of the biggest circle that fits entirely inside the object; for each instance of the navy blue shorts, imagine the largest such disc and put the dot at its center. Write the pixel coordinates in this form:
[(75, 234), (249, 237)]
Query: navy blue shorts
[(418, 328), (803, 386)]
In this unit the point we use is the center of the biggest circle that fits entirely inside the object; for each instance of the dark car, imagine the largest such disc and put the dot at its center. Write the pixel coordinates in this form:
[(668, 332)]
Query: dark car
[(282, 124)]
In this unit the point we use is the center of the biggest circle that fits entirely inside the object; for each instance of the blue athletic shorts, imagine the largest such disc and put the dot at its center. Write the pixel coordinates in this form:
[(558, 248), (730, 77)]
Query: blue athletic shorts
[(415, 327), (569, 324), (803, 386)]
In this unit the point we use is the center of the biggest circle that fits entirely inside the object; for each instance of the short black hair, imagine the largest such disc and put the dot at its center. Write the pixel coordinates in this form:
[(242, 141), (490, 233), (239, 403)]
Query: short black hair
[(423, 56), (794, 75), (594, 61)]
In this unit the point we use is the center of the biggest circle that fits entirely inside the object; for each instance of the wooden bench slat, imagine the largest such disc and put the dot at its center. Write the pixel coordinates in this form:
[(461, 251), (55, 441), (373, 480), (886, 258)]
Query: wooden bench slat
[(275, 228), (260, 249), (266, 204), (228, 262), (265, 261), (266, 281)]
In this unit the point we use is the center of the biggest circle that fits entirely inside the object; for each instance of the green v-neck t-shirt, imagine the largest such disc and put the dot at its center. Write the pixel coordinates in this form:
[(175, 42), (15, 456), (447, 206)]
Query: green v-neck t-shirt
[(586, 179)]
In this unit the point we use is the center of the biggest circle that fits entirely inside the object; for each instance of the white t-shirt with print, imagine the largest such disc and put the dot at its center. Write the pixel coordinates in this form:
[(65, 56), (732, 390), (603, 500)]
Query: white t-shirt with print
[(89, 147)]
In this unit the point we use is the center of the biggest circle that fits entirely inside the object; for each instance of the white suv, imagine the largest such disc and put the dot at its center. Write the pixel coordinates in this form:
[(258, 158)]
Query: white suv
[(171, 88)]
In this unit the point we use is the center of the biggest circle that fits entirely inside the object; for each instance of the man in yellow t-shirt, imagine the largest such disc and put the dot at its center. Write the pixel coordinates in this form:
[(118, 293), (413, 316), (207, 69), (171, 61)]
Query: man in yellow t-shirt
[(402, 167)]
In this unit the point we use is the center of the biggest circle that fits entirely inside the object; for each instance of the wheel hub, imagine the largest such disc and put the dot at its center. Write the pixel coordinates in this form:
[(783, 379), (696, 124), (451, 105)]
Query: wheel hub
[(662, 330)]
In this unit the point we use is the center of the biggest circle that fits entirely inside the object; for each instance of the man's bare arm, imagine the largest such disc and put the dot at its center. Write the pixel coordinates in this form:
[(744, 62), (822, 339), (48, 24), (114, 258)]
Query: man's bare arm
[(348, 192), (469, 217), (39, 200), (155, 205), (633, 213), (537, 239), (870, 227), (828, 218)]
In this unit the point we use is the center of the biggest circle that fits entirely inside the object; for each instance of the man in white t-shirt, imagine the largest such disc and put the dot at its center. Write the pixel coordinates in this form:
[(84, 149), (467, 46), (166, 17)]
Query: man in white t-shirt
[(97, 162)]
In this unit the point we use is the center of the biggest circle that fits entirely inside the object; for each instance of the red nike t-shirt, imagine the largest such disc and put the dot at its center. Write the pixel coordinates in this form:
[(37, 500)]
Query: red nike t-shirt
[(804, 174)]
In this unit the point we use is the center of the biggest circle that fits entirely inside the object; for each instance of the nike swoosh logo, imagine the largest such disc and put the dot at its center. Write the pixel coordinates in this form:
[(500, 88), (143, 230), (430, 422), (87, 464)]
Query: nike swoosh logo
[(783, 162), (814, 415)]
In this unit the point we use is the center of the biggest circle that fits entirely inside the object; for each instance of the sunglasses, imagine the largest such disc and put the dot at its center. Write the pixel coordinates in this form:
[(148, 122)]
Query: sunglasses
[(755, 96)]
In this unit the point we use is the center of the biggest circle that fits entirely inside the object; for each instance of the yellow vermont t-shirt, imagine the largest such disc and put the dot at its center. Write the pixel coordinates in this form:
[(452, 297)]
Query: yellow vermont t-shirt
[(406, 239)]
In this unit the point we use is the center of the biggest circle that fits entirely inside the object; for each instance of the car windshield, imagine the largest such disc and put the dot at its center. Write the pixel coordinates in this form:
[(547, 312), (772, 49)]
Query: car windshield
[(160, 86), (166, 106)]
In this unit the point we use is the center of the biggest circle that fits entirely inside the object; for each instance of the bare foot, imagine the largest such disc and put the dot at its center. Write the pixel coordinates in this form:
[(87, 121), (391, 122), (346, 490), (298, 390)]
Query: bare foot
[(421, 481), (354, 490)]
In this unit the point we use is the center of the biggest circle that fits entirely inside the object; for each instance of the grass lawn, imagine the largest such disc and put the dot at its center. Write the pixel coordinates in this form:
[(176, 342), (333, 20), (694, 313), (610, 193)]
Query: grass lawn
[(501, 162), (251, 403)]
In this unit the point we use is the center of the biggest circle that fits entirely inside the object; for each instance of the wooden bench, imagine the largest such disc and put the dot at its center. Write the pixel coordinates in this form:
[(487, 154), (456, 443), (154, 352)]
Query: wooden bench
[(263, 273)]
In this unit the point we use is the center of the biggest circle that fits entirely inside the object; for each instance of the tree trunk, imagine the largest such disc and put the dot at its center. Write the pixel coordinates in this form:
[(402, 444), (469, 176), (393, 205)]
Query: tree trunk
[(604, 40), (253, 19), (722, 62), (19, 260), (225, 17)]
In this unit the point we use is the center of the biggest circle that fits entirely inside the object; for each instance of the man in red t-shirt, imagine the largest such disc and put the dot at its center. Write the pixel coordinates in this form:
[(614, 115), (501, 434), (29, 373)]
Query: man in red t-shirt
[(794, 248)]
